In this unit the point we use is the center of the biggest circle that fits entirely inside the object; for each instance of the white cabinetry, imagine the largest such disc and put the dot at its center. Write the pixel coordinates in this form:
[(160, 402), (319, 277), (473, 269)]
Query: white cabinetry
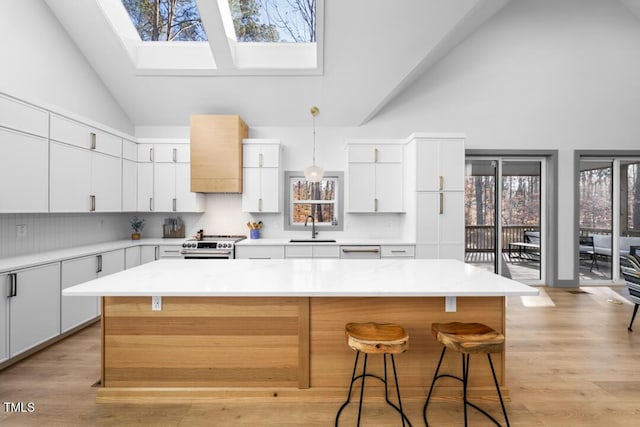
[(397, 251), (132, 257), (312, 251), (260, 252), (439, 196), (77, 310), (24, 172), (29, 309), (169, 251), (172, 180), (129, 176), (85, 168), (149, 253), (375, 178), (261, 175), (24, 157)]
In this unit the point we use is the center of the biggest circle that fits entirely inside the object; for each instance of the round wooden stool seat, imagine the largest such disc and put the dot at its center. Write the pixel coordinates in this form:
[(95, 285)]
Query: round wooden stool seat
[(468, 338), (377, 338)]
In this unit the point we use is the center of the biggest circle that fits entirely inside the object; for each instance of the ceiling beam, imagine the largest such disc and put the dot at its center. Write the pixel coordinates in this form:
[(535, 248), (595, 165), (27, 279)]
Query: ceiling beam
[(213, 24)]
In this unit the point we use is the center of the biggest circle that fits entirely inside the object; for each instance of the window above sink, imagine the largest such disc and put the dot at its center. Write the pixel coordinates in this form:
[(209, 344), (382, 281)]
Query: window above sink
[(322, 200)]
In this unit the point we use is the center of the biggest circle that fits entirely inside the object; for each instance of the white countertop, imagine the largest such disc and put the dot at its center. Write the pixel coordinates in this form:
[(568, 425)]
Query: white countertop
[(302, 278), (26, 261), (286, 241)]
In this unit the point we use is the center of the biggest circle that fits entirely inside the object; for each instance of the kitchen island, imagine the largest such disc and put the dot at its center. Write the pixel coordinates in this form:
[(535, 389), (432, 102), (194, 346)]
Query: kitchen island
[(275, 328)]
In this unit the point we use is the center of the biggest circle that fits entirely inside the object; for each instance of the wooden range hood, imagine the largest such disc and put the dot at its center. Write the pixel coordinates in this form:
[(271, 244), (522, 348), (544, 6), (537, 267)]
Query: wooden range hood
[(216, 153)]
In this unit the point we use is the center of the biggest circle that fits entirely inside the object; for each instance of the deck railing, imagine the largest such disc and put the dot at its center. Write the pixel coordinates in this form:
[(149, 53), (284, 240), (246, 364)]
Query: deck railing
[(481, 238)]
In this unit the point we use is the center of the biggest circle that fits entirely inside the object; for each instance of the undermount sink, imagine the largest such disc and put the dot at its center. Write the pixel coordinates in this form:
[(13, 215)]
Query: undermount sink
[(312, 241)]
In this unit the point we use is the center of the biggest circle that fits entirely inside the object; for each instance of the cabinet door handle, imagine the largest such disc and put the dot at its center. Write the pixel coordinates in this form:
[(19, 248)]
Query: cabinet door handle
[(375, 155), (93, 140), (99, 269), (13, 288), (92, 198), (375, 205), (174, 204), (157, 253), (260, 159), (441, 182), (260, 205), (150, 203), (441, 203), (175, 155), (151, 154)]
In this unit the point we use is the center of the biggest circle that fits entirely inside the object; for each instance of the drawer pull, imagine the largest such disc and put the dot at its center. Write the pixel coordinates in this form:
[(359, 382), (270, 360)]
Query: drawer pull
[(398, 252)]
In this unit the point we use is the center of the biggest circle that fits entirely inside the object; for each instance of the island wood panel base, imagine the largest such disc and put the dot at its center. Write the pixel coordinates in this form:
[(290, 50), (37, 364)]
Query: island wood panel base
[(213, 348), (332, 360), (206, 342)]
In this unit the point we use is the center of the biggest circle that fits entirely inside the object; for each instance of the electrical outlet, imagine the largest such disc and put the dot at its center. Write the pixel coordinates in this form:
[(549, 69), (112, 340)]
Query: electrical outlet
[(156, 303), (450, 304), (21, 230)]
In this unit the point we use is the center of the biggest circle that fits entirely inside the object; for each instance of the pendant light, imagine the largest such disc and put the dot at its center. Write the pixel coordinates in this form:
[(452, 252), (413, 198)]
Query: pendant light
[(314, 172)]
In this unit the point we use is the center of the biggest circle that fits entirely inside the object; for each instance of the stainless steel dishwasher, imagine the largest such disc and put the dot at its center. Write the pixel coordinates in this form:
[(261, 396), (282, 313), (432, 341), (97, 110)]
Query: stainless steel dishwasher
[(360, 252)]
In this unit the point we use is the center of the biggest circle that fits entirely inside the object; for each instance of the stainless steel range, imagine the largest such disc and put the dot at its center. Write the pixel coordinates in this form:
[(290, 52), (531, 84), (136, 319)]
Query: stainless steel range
[(211, 247)]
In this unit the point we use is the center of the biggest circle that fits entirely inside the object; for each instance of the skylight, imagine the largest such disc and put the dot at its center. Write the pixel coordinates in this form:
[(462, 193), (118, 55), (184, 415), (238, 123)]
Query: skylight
[(288, 21), (166, 20), (224, 37)]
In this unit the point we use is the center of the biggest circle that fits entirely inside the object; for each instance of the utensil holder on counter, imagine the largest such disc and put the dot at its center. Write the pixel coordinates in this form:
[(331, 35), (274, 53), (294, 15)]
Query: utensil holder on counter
[(254, 234), (173, 228)]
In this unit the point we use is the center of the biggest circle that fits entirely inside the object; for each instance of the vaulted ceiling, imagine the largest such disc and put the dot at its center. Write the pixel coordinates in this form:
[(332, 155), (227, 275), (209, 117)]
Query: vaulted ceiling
[(371, 52)]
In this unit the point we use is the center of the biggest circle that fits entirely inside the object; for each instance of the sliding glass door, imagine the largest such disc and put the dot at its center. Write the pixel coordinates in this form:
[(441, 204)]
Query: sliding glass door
[(504, 221), (609, 216)]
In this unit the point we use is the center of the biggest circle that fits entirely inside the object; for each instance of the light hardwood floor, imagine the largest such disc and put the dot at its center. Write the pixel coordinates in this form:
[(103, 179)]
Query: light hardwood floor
[(570, 362)]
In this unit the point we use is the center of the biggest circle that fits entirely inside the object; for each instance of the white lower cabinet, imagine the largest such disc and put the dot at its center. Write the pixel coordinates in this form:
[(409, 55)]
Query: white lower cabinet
[(312, 251), (29, 309), (260, 252), (169, 251), (397, 251), (149, 254), (77, 310), (132, 257)]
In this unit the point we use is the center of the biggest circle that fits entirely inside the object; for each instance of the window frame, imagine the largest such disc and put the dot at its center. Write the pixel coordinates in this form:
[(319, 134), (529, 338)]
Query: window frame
[(339, 202)]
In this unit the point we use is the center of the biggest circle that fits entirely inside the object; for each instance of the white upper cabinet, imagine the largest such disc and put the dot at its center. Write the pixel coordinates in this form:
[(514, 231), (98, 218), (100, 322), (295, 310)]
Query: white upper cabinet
[(75, 133), (171, 153), (24, 172), (171, 189), (84, 181), (440, 164), (145, 187), (261, 175), (69, 178), (24, 117), (375, 178), (145, 153), (129, 176)]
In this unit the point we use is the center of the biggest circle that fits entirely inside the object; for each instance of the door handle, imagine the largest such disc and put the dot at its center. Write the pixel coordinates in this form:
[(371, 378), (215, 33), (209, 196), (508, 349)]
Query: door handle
[(375, 204), (93, 140), (13, 286), (150, 203), (441, 182), (99, 269), (157, 252), (260, 159), (174, 204), (441, 203), (151, 154), (93, 203), (260, 205), (375, 155), (175, 155)]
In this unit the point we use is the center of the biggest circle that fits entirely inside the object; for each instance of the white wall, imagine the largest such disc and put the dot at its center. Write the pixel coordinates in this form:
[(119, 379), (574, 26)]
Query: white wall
[(542, 74), (40, 63)]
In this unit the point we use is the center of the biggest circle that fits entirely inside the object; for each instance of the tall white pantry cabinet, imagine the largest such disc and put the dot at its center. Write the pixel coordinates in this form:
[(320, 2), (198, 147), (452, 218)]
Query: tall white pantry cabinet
[(439, 195)]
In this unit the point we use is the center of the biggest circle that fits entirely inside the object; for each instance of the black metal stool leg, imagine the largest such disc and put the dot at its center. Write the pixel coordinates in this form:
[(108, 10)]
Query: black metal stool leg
[(353, 378), (635, 311), (495, 380), (364, 374), (395, 378), (433, 382), (465, 380)]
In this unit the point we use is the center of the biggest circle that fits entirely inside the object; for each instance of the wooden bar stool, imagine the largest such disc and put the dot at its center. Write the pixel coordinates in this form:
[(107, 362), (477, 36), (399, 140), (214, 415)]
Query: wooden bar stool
[(376, 338), (467, 339)]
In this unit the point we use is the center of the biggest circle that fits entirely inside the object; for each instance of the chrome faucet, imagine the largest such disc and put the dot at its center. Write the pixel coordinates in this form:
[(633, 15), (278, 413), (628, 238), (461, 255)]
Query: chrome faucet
[(313, 226)]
